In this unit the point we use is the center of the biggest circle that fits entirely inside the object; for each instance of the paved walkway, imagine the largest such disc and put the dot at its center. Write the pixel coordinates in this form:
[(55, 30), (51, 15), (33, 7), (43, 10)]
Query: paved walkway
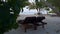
[(52, 27)]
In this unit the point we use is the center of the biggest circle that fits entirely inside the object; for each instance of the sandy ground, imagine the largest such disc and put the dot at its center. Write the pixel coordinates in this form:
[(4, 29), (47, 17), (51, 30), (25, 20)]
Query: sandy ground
[(52, 27)]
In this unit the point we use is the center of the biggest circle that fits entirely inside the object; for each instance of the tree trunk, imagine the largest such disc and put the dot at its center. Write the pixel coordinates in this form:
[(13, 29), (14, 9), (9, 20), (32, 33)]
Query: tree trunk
[(38, 11)]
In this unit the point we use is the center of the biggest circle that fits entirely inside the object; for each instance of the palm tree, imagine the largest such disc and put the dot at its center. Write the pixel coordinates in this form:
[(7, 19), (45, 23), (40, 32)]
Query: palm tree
[(8, 19), (53, 5), (37, 5)]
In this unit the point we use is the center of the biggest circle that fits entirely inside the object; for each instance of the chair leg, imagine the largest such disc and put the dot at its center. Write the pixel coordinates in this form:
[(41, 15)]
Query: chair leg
[(35, 27), (43, 22), (42, 25), (25, 27)]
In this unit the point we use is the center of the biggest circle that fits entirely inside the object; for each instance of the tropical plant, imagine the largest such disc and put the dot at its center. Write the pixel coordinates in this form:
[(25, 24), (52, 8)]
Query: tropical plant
[(9, 9)]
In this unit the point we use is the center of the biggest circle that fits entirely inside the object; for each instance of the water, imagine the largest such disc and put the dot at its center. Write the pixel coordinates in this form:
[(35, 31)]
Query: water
[(27, 11)]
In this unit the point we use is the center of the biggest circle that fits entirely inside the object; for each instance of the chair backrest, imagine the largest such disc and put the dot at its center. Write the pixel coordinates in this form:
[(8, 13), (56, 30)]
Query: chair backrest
[(33, 19), (39, 19), (30, 19)]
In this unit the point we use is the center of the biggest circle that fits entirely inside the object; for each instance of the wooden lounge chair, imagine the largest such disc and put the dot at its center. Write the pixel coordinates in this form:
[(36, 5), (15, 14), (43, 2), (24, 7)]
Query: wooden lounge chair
[(33, 21)]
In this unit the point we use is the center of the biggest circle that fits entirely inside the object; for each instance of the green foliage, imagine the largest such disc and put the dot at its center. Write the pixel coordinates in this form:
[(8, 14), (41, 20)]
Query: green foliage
[(55, 3), (8, 20), (32, 6), (51, 12), (47, 8), (39, 4)]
